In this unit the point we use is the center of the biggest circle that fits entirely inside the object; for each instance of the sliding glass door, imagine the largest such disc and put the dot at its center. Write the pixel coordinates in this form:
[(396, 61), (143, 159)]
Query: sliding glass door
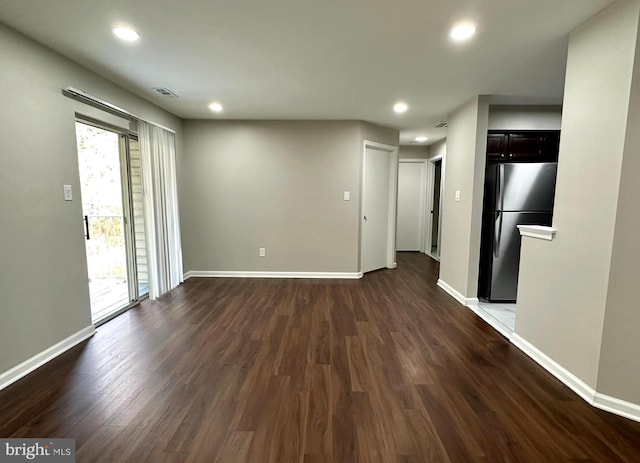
[(112, 205)]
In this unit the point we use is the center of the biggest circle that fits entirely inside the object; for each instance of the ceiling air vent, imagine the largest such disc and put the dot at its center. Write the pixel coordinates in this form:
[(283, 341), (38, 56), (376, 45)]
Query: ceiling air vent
[(442, 124), (164, 92)]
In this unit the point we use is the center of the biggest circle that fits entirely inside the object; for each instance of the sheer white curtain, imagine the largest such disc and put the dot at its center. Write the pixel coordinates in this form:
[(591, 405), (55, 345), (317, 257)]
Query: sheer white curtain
[(162, 224)]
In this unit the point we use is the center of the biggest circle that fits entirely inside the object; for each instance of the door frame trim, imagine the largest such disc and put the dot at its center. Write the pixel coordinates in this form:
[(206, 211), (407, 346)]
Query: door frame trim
[(431, 176), (424, 192), (127, 208), (123, 147), (393, 200)]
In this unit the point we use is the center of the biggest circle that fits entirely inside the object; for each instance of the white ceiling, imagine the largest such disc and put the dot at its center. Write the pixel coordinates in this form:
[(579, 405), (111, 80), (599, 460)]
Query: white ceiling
[(316, 59)]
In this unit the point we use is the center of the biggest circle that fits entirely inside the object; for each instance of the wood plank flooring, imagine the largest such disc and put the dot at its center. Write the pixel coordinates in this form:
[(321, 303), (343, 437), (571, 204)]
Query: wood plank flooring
[(385, 369)]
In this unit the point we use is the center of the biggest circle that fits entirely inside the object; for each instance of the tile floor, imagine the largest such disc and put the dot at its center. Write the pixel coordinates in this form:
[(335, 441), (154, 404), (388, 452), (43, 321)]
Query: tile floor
[(502, 313)]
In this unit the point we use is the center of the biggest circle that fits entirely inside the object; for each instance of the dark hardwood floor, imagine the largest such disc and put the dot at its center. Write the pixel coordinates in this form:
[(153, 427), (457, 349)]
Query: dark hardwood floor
[(384, 369)]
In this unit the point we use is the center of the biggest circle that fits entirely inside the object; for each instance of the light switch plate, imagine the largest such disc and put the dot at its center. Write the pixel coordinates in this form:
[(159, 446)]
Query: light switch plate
[(457, 195), (347, 195), (68, 193)]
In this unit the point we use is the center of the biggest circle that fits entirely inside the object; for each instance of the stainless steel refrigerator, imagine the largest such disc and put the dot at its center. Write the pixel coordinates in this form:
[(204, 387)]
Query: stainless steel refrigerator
[(515, 194)]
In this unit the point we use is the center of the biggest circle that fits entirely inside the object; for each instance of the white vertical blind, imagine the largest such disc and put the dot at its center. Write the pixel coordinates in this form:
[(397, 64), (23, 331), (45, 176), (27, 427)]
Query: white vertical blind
[(158, 152)]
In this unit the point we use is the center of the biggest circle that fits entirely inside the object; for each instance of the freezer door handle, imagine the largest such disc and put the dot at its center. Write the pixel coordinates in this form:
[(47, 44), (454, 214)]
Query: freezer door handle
[(497, 234)]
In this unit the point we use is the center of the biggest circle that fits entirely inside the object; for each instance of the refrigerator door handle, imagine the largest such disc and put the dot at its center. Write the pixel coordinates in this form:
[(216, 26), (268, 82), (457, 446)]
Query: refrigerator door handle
[(501, 188), (497, 227), (497, 234)]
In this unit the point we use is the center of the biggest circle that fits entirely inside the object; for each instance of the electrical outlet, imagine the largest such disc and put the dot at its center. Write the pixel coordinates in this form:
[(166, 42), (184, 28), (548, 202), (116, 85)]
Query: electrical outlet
[(263, 252), (68, 193), (347, 196), (458, 195)]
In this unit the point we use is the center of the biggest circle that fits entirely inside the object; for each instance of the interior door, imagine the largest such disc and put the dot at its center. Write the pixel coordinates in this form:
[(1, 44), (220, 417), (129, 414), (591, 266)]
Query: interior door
[(411, 206), (375, 209)]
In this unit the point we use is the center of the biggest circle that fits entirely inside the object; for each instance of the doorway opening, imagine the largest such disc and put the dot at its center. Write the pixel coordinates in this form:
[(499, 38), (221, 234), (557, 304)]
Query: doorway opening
[(434, 238), (113, 215), (412, 200), (433, 220)]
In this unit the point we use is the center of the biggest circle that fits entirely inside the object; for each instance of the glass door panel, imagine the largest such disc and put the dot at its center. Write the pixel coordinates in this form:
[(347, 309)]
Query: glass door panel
[(99, 157)]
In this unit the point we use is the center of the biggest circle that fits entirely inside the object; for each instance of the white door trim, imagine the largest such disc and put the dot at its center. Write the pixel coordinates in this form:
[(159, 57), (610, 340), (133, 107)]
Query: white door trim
[(431, 175), (423, 199), (393, 200)]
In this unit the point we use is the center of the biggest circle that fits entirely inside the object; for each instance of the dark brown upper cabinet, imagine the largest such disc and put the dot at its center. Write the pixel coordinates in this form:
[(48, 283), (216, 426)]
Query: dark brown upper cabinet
[(523, 146), (497, 145), (550, 146)]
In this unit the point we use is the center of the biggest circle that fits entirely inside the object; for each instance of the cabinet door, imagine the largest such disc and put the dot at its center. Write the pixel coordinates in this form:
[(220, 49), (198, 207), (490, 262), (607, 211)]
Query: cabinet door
[(496, 146), (549, 146), (524, 146)]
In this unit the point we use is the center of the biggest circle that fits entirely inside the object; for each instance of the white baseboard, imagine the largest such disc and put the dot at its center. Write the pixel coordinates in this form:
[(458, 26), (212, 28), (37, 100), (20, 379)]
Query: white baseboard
[(573, 382), (235, 274), (26, 367), (602, 401), (457, 295), (433, 256), (617, 406), (565, 376), (587, 393), (472, 303)]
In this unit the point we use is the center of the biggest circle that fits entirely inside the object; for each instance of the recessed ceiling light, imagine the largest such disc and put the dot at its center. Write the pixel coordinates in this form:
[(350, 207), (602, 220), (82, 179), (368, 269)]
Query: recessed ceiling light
[(400, 107), (126, 33), (215, 107), (462, 31), (421, 139)]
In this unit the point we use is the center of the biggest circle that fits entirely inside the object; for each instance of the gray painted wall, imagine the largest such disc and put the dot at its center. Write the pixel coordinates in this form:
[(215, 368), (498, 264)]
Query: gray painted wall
[(525, 117), (274, 184), (413, 152), (44, 287), (619, 375), (564, 284), (461, 221), (379, 134), (438, 148)]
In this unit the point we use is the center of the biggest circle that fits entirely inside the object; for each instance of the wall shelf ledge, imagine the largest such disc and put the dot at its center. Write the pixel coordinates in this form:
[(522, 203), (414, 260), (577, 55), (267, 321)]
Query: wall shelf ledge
[(538, 231)]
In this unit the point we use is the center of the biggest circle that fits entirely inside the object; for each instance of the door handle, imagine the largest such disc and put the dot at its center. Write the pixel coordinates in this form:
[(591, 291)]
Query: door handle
[(86, 226), (501, 187), (365, 218)]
